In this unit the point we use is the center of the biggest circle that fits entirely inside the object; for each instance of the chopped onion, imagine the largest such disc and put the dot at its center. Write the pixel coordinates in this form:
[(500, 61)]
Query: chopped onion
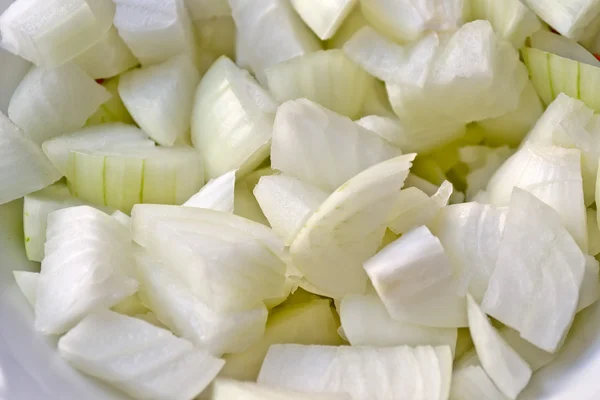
[(87, 258), (232, 120), (533, 356), (324, 17), (226, 389), (23, 167), (348, 227), (27, 283), (112, 110), (141, 359), (321, 147), (50, 33), (472, 383), (327, 77), (51, 102), (218, 194), (160, 98), (535, 285), (568, 17)]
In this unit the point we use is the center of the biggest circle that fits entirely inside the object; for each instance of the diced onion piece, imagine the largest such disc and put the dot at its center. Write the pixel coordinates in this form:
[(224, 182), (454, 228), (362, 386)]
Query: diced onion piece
[(593, 232), (352, 23), (226, 389), (287, 203), (160, 98), (504, 366), (143, 360), (216, 37), (109, 57), (226, 261), (472, 383), (232, 120), (174, 305), (471, 234), (414, 208), (405, 21), (401, 371), (218, 194), (553, 175), (562, 46), (50, 102), (204, 9), (323, 148), (27, 283), (120, 178), (414, 278), (302, 322), (52, 32), (326, 77), (155, 30), (568, 17), (272, 33), (590, 288), (361, 314), (87, 259), (535, 285), (102, 137), (112, 110), (36, 207), (348, 227), (324, 17), (23, 167), (483, 162), (511, 19)]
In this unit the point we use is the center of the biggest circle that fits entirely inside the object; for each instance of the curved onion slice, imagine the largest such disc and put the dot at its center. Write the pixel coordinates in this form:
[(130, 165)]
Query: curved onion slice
[(272, 32), (176, 307), (27, 283), (321, 147), (232, 120), (155, 30), (414, 278), (324, 17), (348, 228), (52, 32), (287, 203), (327, 77), (23, 167), (472, 383), (139, 358), (109, 57), (504, 366), (160, 98), (112, 110), (568, 17), (365, 373), (229, 263), (51, 102), (226, 389), (535, 285), (87, 257), (218, 194), (366, 322)]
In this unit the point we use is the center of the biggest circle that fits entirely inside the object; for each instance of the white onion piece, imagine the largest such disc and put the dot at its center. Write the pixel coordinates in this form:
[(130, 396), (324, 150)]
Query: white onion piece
[(287, 203), (533, 356), (232, 120), (472, 383), (272, 32), (364, 373), (297, 321), (414, 208), (511, 19), (562, 46), (504, 366), (229, 263), (218, 194), (101, 137), (366, 322), (414, 278), (348, 227), (27, 283), (204, 9), (112, 110), (327, 77), (593, 232), (87, 258), (175, 306), (324, 17), (160, 98), (108, 57), (23, 167), (553, 175), (155, 30), (52, 32), (216, 37), (36, 207), (590, 288), (405, 21), (471, 234), (483, 162), (226, 389), (568, 17), (321, 147), (535, 285), (51, 102), (143, 360)]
